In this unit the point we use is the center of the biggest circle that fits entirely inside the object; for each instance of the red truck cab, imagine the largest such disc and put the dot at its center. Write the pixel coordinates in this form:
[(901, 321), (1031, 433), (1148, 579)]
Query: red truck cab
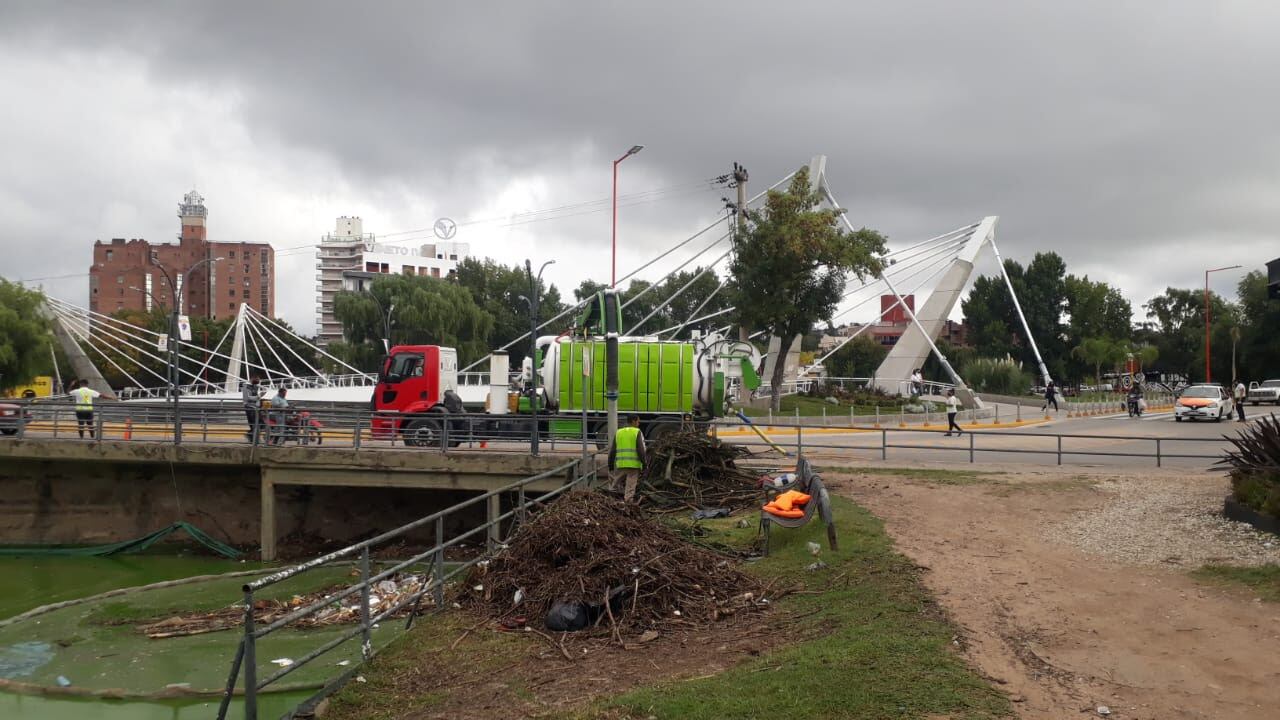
[(414, 380)]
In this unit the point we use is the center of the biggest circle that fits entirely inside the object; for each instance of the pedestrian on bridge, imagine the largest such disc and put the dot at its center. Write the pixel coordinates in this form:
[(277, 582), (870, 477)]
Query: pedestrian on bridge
[(84, 397), (251, 397), (280, 415), (626, 457), (953, 408)]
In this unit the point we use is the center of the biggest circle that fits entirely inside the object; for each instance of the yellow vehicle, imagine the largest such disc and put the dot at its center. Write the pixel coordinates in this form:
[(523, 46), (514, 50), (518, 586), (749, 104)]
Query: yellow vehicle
[(40, 387)]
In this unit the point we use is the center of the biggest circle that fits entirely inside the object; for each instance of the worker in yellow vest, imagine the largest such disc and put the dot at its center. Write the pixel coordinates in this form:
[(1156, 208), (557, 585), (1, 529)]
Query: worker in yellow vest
[(626, 457)]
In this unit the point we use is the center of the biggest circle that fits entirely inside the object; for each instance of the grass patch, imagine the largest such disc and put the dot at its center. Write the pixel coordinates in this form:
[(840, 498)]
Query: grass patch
[(389, 691), (1264, 580), (933, 475), (871, 643), (816, 407), (884, 649)]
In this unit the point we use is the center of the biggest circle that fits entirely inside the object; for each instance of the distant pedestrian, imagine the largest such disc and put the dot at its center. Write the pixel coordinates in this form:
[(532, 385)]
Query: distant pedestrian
[(84, 397), (1050, 397), (626, 457), (251, 398), (1242, 394), (953, 408), (280, 414), (917, 383)]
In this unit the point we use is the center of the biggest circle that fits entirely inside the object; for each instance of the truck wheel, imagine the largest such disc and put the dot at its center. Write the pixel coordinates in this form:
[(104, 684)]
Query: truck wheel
[(422, 433), (1177, 418)]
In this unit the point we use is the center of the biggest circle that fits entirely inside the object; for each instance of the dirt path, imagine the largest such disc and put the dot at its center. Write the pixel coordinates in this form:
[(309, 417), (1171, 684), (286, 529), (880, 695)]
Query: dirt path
[(1064, 629)]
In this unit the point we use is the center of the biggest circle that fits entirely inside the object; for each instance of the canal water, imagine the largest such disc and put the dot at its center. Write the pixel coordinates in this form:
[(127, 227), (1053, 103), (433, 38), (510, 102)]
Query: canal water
[(75, 645)]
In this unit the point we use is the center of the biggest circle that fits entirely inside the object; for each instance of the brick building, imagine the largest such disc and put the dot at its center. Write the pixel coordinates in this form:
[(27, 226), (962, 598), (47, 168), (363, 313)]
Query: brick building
[(130, 275)]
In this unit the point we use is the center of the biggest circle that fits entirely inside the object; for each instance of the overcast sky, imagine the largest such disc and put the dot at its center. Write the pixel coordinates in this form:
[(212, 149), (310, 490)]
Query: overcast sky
[(1138, 140)]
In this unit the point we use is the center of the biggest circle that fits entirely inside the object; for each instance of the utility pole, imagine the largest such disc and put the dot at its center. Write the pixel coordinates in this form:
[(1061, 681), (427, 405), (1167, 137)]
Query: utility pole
[(740, 182)]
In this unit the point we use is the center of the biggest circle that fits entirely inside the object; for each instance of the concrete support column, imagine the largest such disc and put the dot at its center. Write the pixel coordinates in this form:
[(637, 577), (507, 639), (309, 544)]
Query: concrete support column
[(494, 509), (267, 520)]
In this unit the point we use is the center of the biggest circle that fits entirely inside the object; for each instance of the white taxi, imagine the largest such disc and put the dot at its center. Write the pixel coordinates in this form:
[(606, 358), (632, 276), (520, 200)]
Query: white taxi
[(1204, 402)]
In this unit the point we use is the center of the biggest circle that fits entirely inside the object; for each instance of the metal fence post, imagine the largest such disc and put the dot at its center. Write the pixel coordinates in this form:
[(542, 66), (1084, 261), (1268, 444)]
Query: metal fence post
[(56, 415), (250, 661), (799, 438), (850, 415), (22, 422), (97, 426), (438, 592), (970, 433), (884, 444), (366, 644), (1158, 459), (355, 436), (204, 425), (1019, 412), (1059, 449), (877, 415), (444, 435)]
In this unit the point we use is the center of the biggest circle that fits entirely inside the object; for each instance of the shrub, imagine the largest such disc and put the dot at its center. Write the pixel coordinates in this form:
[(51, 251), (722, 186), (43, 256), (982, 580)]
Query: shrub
[(1004, 377), (1254, 462)]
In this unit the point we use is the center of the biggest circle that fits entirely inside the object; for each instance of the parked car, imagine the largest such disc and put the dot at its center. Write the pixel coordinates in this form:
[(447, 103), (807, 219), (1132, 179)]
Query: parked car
[(1211, 402), (10, 415), (1266, 392)]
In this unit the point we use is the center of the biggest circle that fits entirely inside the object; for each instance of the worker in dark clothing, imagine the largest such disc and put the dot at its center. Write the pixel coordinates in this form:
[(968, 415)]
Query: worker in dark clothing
[(626, 457), (251, 398)]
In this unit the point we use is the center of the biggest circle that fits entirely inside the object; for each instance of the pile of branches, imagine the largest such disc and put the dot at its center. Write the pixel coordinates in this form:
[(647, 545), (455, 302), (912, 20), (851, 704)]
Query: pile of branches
[(384, 595), (689, 469), (588, 548)]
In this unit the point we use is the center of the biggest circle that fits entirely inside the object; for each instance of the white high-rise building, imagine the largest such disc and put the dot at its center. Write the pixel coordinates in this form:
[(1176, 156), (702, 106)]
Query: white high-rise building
[(349, 259)]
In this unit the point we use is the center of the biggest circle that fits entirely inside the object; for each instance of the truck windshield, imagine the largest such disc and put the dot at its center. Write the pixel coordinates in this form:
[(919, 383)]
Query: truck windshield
[(401, 366)]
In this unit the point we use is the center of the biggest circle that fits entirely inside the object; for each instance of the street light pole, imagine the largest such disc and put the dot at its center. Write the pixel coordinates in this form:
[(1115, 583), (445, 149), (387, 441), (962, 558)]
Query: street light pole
[(613, 277), (533, 301), (174, 357), (1208, 378)]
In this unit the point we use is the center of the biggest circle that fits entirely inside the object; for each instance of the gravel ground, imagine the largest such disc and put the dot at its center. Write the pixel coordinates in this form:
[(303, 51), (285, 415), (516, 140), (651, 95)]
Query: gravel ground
[(1167, 522)]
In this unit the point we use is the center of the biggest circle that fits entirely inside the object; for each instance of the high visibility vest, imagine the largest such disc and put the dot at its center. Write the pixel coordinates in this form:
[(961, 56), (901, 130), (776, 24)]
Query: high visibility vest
[(625, 453), (84, 398)]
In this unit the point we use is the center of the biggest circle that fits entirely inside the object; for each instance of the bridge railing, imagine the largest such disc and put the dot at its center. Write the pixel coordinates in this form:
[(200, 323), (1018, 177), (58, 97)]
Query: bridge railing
[(231, 423), (520, 498)]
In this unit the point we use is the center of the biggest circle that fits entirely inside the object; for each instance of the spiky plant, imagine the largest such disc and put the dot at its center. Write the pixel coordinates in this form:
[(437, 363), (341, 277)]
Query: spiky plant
[(1254, 464)]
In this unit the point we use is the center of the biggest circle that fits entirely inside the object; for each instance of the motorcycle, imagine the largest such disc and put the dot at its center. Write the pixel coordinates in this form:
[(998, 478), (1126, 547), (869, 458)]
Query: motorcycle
[(299, 427), (1136, 405)]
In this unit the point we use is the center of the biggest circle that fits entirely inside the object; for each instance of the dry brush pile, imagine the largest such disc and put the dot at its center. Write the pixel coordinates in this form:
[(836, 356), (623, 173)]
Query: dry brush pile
[(689, 469), (585, 547)]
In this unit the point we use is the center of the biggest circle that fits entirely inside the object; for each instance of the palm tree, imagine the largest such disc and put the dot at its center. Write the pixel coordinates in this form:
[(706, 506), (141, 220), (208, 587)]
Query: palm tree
[(1099, 351)]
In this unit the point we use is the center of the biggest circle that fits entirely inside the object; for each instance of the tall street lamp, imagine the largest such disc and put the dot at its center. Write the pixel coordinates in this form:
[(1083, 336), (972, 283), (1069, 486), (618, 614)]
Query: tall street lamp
[(174, 357), (386, 323), (1207, 377), (532, 301), (613, 280)]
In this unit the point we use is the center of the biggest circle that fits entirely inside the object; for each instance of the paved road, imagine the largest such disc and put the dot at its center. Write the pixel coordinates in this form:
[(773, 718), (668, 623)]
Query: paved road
[(1100, 441)]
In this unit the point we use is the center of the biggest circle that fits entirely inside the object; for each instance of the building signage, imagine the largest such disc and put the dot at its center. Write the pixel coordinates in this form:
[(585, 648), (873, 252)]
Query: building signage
[(370, 247), (184, 327)]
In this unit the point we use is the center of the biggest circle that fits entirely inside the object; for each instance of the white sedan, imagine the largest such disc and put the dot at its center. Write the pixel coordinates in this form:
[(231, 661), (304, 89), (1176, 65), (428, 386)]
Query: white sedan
[(1204, 402)]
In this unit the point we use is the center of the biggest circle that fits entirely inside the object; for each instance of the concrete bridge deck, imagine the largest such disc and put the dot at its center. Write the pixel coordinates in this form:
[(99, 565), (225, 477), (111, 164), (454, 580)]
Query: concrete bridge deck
[(68, 491)]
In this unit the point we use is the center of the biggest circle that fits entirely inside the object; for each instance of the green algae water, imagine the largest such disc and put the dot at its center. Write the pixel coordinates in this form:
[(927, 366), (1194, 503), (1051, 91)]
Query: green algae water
[(30, 582), (96, 645)]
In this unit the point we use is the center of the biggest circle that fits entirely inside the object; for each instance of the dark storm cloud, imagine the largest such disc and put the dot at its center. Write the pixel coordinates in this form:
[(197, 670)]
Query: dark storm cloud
[(1106, 131)]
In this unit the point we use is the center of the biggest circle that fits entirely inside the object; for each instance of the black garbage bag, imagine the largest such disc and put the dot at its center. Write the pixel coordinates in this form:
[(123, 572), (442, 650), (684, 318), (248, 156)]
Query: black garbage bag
[(568, 616)]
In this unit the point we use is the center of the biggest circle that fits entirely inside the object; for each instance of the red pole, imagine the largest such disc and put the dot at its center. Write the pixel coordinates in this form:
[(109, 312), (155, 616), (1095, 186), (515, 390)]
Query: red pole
[(1207, 377)]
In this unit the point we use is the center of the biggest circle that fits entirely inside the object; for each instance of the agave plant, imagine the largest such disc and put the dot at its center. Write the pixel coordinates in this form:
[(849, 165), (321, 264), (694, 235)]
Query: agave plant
[(1254, 463)]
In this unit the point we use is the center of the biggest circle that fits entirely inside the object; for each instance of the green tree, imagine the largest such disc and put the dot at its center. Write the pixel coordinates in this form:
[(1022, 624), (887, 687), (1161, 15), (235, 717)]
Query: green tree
[(1177, 330), (499, 289), (428, 311), (1259, 348), (789, 266), (992, 320), (1095, 309), (24, 334), (1100, 351), (860, 357)]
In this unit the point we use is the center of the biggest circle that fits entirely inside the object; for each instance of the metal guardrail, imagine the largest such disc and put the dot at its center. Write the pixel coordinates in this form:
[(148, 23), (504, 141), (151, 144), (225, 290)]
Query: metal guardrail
[(245, 661), (228, 423), (1159, 445)]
